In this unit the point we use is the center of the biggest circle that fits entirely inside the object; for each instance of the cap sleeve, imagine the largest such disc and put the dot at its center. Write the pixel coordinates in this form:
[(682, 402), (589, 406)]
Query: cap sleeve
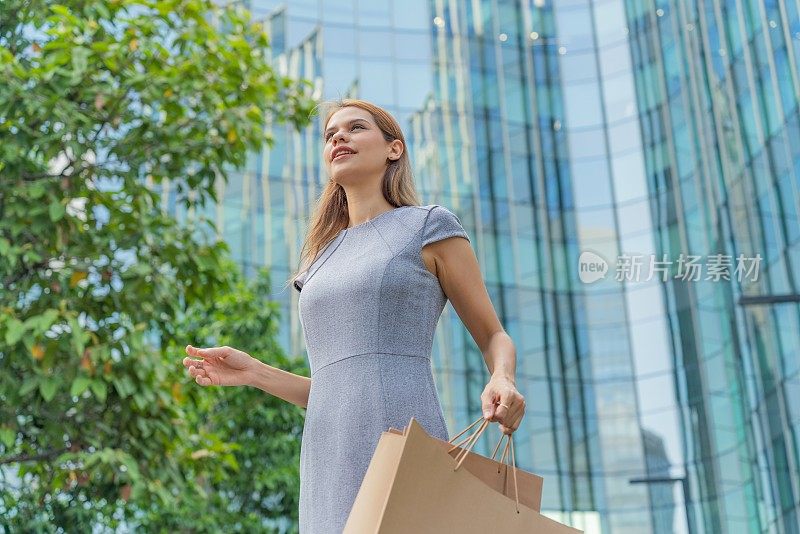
[(442, 223), (300, 280)]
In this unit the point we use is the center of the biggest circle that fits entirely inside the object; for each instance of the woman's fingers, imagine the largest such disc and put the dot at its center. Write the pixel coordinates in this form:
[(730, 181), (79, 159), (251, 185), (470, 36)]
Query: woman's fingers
[(200, 375), (194, 351), (196, 368), (197, 371), (203, 380), (188, 362), (218, 352)]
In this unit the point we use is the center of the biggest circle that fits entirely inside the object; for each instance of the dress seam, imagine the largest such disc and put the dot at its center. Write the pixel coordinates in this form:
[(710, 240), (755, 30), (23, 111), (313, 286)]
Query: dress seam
[(311, 274), (378, 332), (388, 246), (435, 394), (416, 242), (370, 352), (411, 242), (425, 224), (384, 425), (402, 222)]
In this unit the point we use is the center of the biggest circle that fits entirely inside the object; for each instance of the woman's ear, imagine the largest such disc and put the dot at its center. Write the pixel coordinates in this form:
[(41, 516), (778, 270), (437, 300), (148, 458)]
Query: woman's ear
[(397, 150)]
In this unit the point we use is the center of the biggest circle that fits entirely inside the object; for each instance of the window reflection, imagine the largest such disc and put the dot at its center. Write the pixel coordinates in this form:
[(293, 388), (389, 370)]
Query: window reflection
[(591, 185), (338, 11), (414, 46), (377, 81), (339, 40), (583, 106), (375, 43), (414, 84)]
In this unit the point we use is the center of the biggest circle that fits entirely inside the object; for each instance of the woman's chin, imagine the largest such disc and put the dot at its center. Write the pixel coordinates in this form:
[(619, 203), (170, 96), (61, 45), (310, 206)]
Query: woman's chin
[(343, 177)]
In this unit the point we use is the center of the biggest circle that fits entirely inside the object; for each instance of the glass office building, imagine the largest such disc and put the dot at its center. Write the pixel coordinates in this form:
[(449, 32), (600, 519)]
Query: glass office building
[(569, 136)]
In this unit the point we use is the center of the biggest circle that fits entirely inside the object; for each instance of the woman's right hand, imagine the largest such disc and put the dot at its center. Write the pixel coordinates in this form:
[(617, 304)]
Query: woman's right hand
[(220, 366)]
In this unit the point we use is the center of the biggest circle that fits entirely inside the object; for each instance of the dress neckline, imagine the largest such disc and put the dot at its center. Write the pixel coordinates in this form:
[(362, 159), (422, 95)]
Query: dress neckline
[(366, 223)]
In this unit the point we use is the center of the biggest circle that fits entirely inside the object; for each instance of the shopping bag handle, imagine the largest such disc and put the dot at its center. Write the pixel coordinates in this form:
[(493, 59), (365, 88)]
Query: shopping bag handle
[(473, 438)]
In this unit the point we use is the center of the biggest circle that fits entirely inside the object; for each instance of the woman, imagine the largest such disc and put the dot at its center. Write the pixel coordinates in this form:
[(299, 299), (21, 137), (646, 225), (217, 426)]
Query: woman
[(383, 268)]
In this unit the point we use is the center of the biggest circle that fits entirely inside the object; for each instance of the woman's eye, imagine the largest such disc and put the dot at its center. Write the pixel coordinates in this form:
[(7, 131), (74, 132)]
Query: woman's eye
[(327, 137)]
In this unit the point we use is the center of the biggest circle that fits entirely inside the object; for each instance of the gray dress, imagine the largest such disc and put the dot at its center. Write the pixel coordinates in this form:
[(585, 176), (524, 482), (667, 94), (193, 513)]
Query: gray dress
[(369, 309)]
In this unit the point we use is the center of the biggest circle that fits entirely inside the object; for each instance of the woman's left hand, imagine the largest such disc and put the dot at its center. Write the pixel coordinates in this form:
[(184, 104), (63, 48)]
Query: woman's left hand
[(500, 390)]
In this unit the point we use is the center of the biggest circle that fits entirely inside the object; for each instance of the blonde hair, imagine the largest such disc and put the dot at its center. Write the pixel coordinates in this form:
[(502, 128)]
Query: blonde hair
[(330, 213)]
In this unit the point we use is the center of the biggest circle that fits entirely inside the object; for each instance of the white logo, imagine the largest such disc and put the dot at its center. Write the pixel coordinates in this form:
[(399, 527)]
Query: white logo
[(591, 267)]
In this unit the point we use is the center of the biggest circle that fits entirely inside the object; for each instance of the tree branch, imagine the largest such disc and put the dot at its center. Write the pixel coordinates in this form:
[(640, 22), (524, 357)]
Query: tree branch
[(19, 458)]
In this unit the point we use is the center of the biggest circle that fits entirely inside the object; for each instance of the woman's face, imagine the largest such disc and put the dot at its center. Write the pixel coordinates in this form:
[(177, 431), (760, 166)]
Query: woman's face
[(354, 128)]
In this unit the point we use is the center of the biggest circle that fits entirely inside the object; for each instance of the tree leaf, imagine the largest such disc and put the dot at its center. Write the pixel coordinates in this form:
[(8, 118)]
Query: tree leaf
[(46, 320), (79, 385), (37, 190), (57, 211), (99, 389), (80, 56), (28, 385), (16, 329), (119, 385), (8, 437), (78, 336), (48, 387)]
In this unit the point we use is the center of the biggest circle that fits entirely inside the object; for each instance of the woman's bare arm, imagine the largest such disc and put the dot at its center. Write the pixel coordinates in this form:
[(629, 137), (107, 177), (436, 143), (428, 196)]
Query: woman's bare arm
[(282, 384)]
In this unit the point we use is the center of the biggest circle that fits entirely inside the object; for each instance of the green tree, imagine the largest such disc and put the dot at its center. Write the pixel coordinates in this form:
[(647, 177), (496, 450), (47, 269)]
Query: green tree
[(266, 429), (100, 102)]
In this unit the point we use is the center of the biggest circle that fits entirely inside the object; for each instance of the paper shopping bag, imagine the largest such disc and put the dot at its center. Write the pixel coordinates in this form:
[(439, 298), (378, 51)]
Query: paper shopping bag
[(493, 473), (413, 484)]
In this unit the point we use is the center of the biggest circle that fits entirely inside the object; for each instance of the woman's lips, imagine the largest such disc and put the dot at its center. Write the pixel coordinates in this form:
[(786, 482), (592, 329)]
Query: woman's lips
[(341, 156)]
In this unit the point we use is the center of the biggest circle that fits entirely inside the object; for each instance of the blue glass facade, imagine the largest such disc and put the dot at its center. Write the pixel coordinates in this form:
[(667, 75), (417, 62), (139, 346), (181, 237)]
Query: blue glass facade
[(553, 128)]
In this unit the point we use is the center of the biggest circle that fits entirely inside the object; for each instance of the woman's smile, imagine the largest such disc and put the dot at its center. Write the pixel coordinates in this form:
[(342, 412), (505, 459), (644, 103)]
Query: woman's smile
[(343, 156)]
